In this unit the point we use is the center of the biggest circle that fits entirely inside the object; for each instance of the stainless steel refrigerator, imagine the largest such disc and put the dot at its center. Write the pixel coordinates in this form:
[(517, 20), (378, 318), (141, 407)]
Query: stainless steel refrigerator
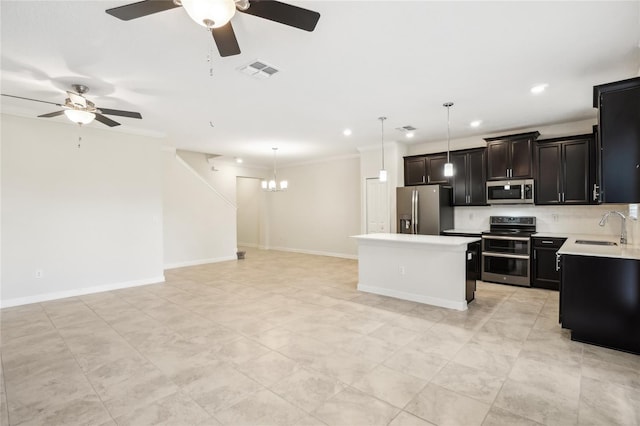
[(424, 209)]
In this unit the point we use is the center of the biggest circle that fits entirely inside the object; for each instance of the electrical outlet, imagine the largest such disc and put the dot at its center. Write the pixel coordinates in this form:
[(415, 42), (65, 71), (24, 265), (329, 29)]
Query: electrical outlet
[(39, 273), (633, 211)]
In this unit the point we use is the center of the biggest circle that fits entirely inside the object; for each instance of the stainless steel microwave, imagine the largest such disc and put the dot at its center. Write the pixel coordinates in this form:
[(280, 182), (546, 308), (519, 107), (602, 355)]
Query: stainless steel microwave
[(510, 192)]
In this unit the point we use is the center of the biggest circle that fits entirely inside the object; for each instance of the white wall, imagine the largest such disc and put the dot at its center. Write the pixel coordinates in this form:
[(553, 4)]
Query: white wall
[(87, 218), (250, 198), (199, 223), (319, 211), (546, 132)]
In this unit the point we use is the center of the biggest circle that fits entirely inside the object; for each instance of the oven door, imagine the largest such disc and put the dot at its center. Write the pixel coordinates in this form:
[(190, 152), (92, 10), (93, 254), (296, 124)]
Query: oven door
[(506, 244), (506, 268)]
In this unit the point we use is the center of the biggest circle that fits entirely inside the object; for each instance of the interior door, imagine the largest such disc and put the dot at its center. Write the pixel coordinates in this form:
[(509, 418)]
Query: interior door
[(377, 201)]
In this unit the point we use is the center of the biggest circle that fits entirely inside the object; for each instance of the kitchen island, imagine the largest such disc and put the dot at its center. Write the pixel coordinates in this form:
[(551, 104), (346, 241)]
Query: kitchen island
[(428, 269)]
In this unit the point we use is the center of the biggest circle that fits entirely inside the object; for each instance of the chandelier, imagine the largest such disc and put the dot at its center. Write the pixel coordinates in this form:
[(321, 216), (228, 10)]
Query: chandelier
[(273, 185)]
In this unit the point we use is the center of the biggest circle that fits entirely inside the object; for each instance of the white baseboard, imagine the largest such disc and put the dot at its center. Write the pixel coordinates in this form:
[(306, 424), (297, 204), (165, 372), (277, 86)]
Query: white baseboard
[(443, 303), (18, 301), (199, 262), (315, 252)]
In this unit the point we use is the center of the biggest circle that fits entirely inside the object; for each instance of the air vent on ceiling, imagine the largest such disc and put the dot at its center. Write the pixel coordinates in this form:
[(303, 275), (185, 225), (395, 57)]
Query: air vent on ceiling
[(259, 69)]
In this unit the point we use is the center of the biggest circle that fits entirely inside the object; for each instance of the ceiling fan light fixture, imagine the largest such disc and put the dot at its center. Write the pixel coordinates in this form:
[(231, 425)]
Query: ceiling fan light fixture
[(78, 116), (210, 13)]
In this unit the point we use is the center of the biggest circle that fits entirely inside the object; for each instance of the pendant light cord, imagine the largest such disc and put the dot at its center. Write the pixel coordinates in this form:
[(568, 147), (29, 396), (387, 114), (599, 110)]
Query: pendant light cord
[(448, 105), (382, 138)]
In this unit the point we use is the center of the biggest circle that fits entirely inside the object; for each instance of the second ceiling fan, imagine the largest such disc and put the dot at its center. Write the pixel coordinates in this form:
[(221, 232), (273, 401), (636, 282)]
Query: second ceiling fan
[(216, 15)]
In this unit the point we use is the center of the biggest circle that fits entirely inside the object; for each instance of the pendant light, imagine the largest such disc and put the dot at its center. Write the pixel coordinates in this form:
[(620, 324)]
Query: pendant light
[(382, 175), (448, 167), (272, 185)]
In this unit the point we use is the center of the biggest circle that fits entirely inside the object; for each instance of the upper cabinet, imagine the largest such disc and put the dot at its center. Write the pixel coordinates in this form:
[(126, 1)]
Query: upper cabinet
[(425, 169), (563, 170), (619, 140), (469, 177), (510, 157), (415, 171)]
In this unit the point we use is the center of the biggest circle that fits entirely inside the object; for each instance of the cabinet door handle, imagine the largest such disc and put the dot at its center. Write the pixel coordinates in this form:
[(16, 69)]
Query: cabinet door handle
[(547, 242), (557, 262), (595, 192), (563, 197), (428, 179), (422, 179), (559, 199)]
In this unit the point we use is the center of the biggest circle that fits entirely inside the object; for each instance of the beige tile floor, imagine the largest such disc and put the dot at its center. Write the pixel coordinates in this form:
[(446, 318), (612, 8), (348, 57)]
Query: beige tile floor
[(286, 339)]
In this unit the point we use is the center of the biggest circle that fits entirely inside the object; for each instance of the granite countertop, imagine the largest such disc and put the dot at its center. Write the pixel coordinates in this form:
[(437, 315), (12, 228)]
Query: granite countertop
[(441, 240)]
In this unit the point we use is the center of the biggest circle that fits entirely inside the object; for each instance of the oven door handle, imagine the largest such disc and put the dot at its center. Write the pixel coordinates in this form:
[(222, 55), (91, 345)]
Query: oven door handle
[(498, 237), (510, 256)]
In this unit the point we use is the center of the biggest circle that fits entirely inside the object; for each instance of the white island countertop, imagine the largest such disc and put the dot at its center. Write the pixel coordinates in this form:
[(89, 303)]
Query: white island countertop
[(422, 268), (438, 240)]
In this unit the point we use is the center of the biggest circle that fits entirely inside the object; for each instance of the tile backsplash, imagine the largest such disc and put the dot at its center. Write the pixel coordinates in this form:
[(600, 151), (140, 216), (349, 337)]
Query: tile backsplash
[(556, 219)]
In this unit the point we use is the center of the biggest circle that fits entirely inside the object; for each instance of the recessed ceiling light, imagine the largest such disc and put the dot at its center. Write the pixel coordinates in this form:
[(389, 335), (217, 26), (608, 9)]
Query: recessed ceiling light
[(475, 123), (238, 160), (539, 88), (409, 134), (347, 132)]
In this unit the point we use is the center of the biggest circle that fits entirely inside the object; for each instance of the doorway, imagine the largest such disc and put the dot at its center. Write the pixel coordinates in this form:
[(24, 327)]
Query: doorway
[(377, 206)]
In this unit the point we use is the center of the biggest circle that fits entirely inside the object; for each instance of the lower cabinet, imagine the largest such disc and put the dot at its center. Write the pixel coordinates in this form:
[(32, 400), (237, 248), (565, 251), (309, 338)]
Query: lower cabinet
[(600, 301), (544, 271)]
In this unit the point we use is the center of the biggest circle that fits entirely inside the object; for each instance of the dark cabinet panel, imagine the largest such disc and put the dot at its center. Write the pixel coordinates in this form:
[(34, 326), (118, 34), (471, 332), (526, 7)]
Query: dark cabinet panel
[(498, 160), (575, 162), (477, 177), (435, 168), (564, 170), (548, 190), (510, 157), (544, 272), (599, 301), (459, 179), (521, 158), (415, 171), (469, 178), (619, 140)]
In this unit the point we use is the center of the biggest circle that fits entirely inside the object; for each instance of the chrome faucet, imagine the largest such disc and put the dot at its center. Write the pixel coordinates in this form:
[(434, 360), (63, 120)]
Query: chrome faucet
[(623, 233)]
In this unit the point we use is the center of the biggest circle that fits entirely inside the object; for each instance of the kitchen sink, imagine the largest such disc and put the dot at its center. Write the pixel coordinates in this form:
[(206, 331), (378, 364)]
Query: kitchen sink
[(596, 243)]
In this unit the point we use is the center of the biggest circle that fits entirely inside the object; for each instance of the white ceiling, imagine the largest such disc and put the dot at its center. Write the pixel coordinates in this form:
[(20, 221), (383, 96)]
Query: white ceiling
[(365, 59)]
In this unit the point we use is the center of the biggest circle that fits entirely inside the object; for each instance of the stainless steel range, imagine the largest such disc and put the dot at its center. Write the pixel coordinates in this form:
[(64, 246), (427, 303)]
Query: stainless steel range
[(506, 250)]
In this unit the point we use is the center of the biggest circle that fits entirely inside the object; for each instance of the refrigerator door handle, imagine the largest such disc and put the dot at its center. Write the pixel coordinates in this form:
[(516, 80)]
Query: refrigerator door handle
[(415, 212)]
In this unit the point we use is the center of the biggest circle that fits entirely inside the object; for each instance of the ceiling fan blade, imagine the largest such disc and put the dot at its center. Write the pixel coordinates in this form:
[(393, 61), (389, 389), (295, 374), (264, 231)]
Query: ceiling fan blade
[(129, 114), (35, 100), (283, 13), (104, 120), (52, 114), (226, 41), (140, 9)]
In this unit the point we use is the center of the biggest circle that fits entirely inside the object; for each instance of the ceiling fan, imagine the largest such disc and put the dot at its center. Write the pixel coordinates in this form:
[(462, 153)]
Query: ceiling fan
[(216, 15), (80, 110)]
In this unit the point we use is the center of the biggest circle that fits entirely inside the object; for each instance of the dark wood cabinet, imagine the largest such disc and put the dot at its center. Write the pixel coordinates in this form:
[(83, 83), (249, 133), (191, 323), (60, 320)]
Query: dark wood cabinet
[(415, 171), (619, 140), (469, 177), (599, 301), (564, 170), (435, 168), (544, 271), (510, 157), (425, 169)]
